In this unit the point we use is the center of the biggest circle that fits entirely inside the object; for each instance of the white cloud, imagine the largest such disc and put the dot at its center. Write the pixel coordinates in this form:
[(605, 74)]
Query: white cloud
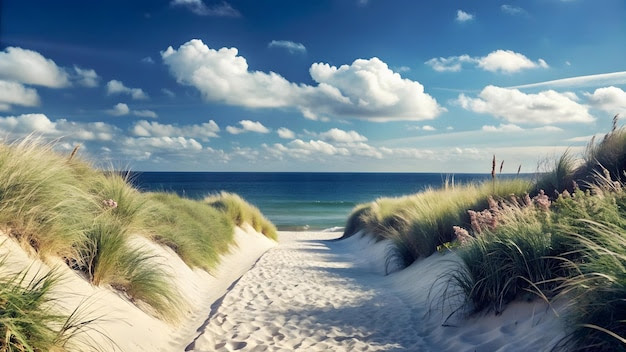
[(299, 146), (30, 67), (506, 61), (202, 131), (603, 79), (200, 8), (86, 77), (13, 93), (502, 128), (119, 109), (365, 89), (40, 124), (292, 47), (512, 10), (285, 133), (146, 145), (449, 64), (462, 16), (118, 87), (546, 107), (248, 126), (428, 128), (610, 99), (147, 60), (335, 135), (145, 113)]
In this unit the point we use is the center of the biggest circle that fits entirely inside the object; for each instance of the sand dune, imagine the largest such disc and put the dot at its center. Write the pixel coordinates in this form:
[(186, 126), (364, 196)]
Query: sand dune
[(308, 294)]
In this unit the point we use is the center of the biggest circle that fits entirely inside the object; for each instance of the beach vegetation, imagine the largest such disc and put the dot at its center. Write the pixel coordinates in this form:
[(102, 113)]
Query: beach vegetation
[(198, 233), (28, 320), (242, 212), (417, 224), (55, 206)]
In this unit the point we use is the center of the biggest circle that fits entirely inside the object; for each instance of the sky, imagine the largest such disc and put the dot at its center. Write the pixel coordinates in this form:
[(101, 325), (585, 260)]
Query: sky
[(313, 85)]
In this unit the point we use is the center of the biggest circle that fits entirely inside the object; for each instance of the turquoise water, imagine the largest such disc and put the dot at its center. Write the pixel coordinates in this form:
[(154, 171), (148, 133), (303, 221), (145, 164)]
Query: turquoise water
[(298, 201)]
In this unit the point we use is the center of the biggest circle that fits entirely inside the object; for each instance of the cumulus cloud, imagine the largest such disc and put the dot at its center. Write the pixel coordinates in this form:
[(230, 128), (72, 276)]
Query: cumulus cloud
[(508, 61), (198, 7), (30, 67), (340, 136), (13, 93), (299, 146), (202, 131), (428, 128), (247, 126), (145, 145), (119, 109), (292, 47), (450, 64), (40, 124), (117, 87), (285, 133), (543, 108), (365, 89), (86, 77), (462, 16), (505, 61), (610, 99)]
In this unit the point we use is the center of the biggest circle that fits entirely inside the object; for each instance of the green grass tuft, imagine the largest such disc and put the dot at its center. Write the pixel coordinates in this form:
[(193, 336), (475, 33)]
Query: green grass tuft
[(198, 233), (242, 212)]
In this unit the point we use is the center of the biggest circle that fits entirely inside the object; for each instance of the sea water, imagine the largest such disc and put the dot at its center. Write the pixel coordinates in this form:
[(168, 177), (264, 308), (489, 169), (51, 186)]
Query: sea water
[(299, 201)]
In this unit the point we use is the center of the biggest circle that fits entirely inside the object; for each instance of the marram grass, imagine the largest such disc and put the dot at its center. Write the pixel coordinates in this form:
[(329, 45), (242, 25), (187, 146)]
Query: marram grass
[(419, 223), (59, 206), (198, 233), (242, 212)]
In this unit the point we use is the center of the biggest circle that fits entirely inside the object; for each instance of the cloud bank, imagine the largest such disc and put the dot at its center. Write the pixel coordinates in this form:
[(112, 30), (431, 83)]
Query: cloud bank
[(365, 89)]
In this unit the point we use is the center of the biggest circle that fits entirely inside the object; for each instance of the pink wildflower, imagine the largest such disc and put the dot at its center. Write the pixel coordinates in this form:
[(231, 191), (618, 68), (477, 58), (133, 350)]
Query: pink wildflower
[(110, 203), (462, 235)]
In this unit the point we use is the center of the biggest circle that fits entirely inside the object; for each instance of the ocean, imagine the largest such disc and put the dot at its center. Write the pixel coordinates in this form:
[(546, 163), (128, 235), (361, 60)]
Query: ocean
[(298, 201)]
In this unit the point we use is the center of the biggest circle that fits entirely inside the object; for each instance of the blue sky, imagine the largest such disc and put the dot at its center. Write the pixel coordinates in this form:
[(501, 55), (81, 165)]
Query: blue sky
[(325, 85)]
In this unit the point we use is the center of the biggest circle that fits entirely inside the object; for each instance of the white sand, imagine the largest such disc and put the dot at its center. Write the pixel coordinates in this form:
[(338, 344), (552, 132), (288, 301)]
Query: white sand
[(308, 294), (127, 327)]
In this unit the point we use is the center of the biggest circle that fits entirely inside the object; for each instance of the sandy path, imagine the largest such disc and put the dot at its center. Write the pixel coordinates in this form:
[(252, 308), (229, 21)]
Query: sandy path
[(308, 294)]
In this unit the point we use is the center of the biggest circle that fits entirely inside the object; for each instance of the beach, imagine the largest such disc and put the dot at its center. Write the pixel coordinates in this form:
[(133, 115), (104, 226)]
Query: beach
[(311, 293)]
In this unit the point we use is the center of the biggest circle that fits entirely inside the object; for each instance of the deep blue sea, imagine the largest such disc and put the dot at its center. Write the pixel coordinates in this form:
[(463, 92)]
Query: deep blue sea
[(298, 201)]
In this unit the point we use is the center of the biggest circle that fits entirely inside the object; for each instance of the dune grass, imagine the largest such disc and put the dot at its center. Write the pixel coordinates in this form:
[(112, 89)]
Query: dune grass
[(56, 206), (41, 204), (417, 224), (28, 321), (198, 233), (598, 308), (242, 212)]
